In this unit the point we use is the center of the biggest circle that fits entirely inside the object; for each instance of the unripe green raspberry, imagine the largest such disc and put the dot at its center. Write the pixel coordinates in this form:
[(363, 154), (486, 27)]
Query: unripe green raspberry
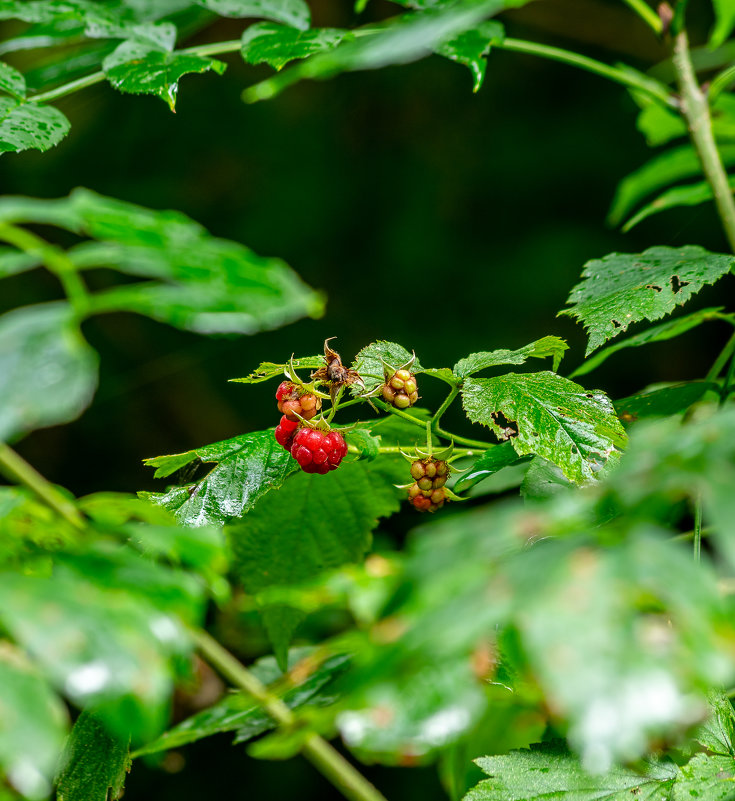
[(429, 468), (397, 383), (439, 481), (410, 386), (418, 470), (442, 468), (425, 483), (389, 394), (401, 400)]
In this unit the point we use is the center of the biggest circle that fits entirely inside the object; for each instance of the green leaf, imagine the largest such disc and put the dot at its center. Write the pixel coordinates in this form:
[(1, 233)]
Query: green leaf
[(718, 733), (268, 370), (689, 195), (276, 45), (573, 428), (543, 480), (12, 82), (625, 288), (708, 777), (471, 47), (290, 12), (659, 333), (660, 124), (662, 402), (48, 373), (103, 629), (657, 173), (370, 362), (95, 763), (541, 349), (25, 126), (238, 712), (486, 465), (13, 262), (33, 725), (399, 40), (140, 68), (311, 524), (247, 467), (204, 284), (550, 772), (724, 22), (367, 444)]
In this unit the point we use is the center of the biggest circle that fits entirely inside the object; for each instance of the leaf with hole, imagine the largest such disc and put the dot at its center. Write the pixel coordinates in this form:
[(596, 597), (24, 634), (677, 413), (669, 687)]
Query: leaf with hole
[(625, 288), (547, 415)]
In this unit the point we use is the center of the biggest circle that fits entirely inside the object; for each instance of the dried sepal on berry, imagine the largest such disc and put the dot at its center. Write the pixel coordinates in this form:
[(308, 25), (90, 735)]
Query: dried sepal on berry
[(334, 374)]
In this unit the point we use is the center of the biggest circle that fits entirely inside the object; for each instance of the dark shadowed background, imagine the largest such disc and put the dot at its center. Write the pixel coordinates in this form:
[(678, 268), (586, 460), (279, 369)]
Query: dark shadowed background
[(447, 221)]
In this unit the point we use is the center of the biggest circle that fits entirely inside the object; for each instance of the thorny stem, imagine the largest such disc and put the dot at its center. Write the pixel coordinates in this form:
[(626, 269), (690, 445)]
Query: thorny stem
[(352, 784), (55, 260), (15, 468), (695, 110), (631, 79)]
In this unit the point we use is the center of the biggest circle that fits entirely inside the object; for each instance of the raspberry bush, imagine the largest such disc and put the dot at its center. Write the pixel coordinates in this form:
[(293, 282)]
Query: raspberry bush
[(573, 639)]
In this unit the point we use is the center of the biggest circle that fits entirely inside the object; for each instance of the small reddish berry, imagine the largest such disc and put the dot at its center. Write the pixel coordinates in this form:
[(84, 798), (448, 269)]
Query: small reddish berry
[(318, 451), (285, 432), (293, 402), (427, 494), (400, 389)]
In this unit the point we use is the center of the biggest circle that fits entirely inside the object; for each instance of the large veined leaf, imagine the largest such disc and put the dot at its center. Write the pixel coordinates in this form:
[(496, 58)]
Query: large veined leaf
[(545, 414), (238, 712), (94, 765), (290, 12), (551, 772), (311, 524), (658, 333), (276, 45), (541, 349), (25, 126), (625, 288), (247, 467), (33, 725), (48, 373), (398, 41), (659, 172), (140, 68), (688, 195), (663, 402)]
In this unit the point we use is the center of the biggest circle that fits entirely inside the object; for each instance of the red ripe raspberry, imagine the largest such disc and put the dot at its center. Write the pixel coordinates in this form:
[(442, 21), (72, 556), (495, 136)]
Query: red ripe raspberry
[(285, 432), (294, 403), (400, 389), (317, 451)]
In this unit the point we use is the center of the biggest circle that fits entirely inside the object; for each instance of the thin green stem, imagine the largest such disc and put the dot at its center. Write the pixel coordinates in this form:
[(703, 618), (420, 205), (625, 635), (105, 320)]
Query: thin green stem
[(725, 389), (698, 528), (214, 48), (436, 419), (15, 468), (68, 88), (647, 14), (352, 784), (695, 110), (631, 79), (456, 438), (721, 360), (720, 82), (386, 407), (55, 260)]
